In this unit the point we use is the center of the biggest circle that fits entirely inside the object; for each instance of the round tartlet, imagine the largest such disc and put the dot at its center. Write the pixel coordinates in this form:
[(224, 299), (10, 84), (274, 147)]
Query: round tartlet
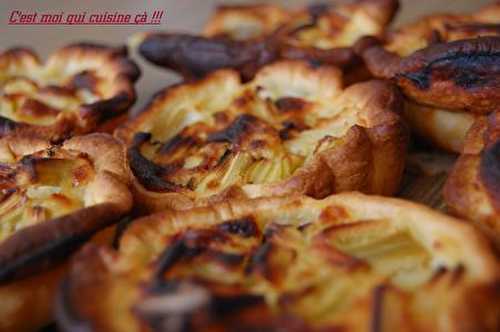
[(246, 37), (52, 199), (78, 88), (448, 67), (349, 262), (292, 129)]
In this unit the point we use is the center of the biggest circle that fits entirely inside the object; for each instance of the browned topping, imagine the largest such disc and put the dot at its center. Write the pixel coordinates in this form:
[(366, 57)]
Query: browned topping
[(240, 127), (244, 227), (176, 142), (148, 173), (290, 104)]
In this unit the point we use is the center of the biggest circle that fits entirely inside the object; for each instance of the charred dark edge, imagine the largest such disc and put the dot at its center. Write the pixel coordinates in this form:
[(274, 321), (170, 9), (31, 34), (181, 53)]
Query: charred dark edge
[(259, 258), (121, 228), (225, 258), (127, 66), (232, 133), (67, 317), (421, 77), (489, 171), (182, 53), (437, 52), (244, 227), (31, 250), (225, 305), (147, 172), (174, 252), (175, 142), (8, 126), (108, 108)]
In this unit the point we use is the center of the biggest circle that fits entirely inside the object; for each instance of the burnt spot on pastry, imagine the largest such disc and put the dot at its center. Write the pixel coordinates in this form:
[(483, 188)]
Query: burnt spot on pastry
[(244, 227), (229, 304), (84, 80), (459, 75), (175, 143), (258, 262), (467, 70), (147, 172), (290, 126), (316, 10), (7, 125), (290, 104), (489, 169), (240, 127), (174, 253), (225, 258)]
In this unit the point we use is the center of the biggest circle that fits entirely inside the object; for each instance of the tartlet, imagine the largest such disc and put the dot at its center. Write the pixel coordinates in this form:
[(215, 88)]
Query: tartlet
[(472, 190), (52, 199), (246, 37), (349, 262), (292, 129), (448, 67), (78, 88)]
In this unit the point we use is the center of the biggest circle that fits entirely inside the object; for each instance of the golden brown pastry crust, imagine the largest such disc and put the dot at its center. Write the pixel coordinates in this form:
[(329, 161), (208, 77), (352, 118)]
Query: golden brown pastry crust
[(31, 252), (326, 139), (472, 190), (79, 87), (224, 267), (240, 22), (247, 37)]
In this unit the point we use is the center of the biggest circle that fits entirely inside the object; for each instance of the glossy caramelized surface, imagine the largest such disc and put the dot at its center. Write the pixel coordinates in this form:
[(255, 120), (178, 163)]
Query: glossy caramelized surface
[(289, 264)]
